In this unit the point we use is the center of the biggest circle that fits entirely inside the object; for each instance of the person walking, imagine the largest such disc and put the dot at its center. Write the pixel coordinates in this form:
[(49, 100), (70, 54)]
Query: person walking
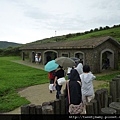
[(74, 90), (68, 72), (51, 76), (36, 58), (87, 86), (39, 59), (79, 67), (58, 74)]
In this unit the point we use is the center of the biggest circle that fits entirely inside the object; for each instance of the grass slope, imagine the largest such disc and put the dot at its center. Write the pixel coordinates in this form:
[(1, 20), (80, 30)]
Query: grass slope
[(113, 32), (5, 44), (14, 76)]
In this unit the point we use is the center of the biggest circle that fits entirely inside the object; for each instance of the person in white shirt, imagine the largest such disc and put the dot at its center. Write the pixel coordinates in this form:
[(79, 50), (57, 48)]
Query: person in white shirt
[(79, 67), (68, 72), (87, 86), (36, 58)]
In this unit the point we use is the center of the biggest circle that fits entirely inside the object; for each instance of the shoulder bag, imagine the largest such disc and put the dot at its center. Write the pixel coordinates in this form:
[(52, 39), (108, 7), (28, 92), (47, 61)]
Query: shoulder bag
[(74, 109), (61, 81)]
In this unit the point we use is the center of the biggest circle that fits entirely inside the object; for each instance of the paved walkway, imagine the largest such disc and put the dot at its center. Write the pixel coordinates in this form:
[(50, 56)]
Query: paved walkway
[(36, 95), (27, 63)]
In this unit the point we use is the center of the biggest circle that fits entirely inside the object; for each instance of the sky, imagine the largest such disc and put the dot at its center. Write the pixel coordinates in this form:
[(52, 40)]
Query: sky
[(25, 21)]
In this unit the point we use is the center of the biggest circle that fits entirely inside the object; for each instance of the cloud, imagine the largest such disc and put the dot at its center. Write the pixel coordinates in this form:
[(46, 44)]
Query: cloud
[(31, 20)]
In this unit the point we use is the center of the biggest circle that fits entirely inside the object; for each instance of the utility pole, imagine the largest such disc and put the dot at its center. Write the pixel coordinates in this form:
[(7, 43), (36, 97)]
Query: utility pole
[(55, 32)]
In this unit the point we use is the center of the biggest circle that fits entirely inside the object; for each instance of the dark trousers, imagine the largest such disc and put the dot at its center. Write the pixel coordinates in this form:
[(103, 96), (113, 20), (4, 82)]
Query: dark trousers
[(51, 81), (58, 88)]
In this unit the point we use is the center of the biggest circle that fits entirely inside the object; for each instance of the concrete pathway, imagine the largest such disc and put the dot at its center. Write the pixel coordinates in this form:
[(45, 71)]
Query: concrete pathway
[(27, 63)]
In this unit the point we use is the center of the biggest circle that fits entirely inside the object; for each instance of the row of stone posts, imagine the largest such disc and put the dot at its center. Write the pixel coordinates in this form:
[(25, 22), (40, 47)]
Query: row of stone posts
[(105, 102)]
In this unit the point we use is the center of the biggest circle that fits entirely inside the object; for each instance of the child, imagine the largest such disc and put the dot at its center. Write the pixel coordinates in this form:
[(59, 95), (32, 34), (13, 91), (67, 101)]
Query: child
[(87, 85), (51, 77)]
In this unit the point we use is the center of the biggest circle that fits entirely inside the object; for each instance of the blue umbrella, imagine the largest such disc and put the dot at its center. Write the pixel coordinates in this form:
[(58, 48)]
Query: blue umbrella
[(50, 66)]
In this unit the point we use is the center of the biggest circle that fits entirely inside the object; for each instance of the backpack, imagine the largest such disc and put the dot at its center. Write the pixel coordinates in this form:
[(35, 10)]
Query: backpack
[(51, 75)]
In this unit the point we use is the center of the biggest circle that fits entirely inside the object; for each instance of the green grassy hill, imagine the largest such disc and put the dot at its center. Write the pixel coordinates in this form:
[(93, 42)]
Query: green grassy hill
[(5, 44), (106, 31)]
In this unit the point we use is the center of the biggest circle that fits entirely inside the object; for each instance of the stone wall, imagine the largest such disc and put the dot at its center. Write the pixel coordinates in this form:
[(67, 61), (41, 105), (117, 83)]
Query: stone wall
[(91, 57)]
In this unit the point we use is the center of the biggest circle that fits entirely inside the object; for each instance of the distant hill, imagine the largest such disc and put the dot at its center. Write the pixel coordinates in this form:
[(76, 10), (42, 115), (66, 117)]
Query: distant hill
[(5, 44), (97, 32)]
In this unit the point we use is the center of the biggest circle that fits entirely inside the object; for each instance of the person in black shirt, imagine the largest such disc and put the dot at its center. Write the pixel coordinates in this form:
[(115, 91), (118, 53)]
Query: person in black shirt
[(74, 89), (58, 74)]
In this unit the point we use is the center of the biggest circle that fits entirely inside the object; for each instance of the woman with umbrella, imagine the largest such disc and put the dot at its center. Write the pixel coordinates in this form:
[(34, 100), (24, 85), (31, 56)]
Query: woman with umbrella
[(58, 74)]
